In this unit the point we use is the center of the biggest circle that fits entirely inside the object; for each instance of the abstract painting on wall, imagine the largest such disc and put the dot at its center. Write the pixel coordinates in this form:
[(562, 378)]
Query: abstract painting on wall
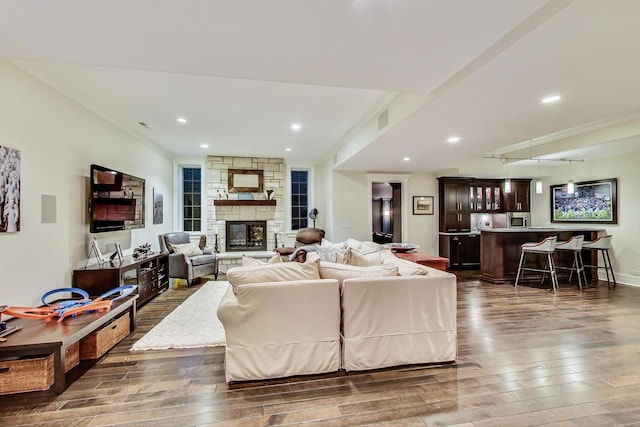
[(9, 190), (157, 207)]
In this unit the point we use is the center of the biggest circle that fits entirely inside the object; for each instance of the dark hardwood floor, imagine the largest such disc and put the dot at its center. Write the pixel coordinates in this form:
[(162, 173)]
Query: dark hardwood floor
[(526, 357)]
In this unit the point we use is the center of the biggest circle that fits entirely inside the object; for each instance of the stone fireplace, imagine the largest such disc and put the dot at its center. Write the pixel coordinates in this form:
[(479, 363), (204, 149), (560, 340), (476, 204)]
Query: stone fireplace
[(246, 236), (258, 207)]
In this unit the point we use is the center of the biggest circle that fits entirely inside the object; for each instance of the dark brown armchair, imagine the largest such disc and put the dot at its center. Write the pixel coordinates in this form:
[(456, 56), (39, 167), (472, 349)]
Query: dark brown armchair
[(188, 267), (304, 236)]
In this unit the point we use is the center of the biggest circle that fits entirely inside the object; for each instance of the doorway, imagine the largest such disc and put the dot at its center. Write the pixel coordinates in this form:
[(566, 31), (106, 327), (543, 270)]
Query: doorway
[(386, 212)]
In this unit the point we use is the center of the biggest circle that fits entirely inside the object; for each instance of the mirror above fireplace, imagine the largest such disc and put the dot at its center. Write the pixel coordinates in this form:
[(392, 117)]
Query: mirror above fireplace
[(245, 181)]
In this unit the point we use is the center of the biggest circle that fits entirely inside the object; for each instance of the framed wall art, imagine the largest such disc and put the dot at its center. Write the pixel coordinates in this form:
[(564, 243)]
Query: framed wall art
[(592, 201), (158, 207), (10, 159), (423, 205)]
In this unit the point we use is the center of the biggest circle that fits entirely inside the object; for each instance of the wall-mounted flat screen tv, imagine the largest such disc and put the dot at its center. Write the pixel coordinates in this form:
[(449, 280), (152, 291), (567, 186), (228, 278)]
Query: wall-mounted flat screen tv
[(117, 200)]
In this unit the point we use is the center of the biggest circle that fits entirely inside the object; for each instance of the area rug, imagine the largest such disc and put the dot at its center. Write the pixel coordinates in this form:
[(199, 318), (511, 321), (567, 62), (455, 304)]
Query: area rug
[(192, 324)]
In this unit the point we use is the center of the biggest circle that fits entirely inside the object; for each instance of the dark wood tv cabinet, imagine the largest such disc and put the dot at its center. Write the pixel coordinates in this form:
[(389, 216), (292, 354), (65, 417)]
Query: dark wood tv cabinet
[(150, 274)]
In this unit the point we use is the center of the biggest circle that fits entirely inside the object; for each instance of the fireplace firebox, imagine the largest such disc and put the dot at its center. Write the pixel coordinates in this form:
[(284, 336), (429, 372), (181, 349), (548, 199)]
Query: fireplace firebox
[(246, 236)]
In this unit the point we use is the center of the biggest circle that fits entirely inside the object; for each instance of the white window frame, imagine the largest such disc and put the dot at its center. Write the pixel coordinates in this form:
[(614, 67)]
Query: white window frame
[(178, 213), (310, 196)]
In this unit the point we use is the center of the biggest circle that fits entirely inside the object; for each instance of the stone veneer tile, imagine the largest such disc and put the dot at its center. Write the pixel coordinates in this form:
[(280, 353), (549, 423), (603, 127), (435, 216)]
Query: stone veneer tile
[(242, 162), (217, 176)]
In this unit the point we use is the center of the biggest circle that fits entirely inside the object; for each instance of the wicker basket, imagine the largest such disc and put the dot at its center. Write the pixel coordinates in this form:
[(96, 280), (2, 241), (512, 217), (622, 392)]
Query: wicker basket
[(102, 340), (72, 356), (26, 374)]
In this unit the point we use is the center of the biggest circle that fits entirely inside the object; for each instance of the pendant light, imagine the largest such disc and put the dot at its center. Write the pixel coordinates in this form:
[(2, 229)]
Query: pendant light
[(539, 181), (507, 182), (570, 186)]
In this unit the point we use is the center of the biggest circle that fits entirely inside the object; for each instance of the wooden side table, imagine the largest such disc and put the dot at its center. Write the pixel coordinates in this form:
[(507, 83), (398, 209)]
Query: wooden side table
[(432, 261), (38, 337)]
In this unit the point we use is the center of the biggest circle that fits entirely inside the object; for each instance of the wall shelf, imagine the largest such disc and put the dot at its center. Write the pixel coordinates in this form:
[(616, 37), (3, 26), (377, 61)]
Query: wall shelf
[(244, 202)]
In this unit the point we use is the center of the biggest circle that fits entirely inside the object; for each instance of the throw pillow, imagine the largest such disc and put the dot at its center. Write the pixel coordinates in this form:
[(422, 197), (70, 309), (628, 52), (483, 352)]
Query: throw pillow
[(278, 272), (277, 258), (405, 268), (354, 257), (329, 252), (353, 243), (331, 270), (188, 249), (248, 261)]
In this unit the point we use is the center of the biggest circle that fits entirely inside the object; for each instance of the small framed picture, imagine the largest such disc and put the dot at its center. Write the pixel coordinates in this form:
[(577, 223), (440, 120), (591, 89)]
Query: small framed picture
[(95, 250), (423, 205), (119, 252)]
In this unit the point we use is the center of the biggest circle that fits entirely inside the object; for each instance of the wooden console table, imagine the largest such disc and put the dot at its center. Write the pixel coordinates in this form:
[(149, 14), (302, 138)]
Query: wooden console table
[(149, 274), (37, 337), (432, 261)]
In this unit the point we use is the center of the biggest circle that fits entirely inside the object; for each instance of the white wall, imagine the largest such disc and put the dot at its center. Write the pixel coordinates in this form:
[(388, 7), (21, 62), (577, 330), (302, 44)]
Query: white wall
[(347, 193), (350, 198), (59, 140), (625, 252)]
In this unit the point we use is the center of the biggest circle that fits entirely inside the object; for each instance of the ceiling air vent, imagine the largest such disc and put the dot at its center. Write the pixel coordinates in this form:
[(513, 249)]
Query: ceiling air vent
[(383, 119)]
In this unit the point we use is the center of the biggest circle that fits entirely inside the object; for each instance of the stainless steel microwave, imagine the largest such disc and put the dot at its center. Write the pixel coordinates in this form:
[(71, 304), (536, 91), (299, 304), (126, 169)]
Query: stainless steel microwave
[(518, 219)]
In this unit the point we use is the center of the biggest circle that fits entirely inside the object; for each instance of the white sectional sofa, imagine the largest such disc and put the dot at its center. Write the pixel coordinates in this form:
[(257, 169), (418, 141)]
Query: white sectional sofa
[(400, 320), (281, 329), (315, 317)]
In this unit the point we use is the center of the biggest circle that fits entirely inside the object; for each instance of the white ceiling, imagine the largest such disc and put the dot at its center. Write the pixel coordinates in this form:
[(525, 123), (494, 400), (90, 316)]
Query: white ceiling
[(242, 71)]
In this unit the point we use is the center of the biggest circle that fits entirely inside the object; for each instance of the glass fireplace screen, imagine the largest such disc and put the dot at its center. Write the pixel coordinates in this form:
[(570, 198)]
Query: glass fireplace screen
[(246, 236)]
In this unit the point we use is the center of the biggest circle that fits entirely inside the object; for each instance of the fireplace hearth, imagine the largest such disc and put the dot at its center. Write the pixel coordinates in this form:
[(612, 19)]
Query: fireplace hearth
[(246, 236)]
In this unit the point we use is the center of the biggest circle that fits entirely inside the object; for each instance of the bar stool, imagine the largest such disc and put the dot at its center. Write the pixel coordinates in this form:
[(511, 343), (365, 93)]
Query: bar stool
[(545, 247), (574, 244), (602, 244)]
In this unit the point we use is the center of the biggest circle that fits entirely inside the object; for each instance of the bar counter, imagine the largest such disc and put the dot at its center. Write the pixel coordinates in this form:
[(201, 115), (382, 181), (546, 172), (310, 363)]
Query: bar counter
[(500, 249)]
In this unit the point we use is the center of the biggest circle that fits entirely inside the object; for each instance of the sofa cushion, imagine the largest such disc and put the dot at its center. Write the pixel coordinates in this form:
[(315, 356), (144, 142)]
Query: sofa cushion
[(353, 257), (188, 249), (363, 247), (406, 268), (202, 259), (248, 261), (277, 272), (324, 252), (332, 270)]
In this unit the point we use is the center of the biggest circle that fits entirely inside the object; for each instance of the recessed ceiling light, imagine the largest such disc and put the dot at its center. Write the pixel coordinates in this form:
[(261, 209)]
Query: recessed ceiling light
[(453, 139), (204, 145), (406, 159), (181, 119), (287, 149), (296, 126), (550, 99)]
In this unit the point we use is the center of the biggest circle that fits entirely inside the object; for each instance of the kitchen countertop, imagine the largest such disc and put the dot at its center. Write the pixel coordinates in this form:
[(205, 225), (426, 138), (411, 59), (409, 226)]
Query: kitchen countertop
[(541, 229), (459, 233), (500, 251)]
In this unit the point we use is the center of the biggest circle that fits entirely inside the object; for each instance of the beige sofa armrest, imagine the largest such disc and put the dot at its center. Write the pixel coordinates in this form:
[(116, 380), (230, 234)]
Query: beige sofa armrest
[(399, 320), (281, 329), (279, 312)]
